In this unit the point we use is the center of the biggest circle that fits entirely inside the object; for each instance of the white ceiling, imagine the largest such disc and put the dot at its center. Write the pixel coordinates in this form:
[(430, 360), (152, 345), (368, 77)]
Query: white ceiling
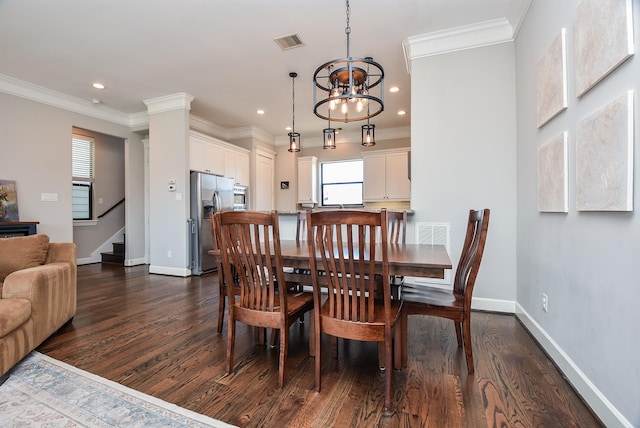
[(221, 52)]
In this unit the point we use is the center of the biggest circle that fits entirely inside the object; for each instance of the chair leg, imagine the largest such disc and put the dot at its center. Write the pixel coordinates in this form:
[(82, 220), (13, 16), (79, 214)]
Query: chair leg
[(221, 307), (468, 351), (231, 339), (318, 350), (458, 332), (284, 347), (312, 334), (389, 371)]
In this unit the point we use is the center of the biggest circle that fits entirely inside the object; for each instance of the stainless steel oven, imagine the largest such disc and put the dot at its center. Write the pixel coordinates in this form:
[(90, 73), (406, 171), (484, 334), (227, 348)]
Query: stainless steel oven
[(240, 198)]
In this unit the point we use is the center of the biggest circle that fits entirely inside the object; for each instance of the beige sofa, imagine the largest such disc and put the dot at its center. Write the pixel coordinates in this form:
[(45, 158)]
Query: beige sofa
[(38, 290)]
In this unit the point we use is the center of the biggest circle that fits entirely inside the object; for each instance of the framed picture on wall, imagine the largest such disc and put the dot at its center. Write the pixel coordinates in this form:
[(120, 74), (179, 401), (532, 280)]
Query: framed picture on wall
[(8, 201), (551, 80), (602, 38), (553, 180), (604, 158)]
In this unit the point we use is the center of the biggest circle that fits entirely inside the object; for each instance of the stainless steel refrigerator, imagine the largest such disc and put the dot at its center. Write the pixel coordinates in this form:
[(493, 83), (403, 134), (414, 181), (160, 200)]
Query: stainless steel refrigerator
[(209, 193)]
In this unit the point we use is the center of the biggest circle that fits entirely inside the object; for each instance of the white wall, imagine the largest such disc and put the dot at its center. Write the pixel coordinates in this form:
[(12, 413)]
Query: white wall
[(586, 262), (463, 153)]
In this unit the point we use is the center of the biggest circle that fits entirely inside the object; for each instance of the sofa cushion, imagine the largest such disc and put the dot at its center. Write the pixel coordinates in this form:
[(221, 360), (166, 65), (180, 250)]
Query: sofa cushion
[(22, 252), (13, 313)]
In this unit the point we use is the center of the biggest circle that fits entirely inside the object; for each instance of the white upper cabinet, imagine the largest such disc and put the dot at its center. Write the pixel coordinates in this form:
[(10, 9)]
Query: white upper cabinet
[(308, 180), (236, 165), (205, 154), (386, 175)]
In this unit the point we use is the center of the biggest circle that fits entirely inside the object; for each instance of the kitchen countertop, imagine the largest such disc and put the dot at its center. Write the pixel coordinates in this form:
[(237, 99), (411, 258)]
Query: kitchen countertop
[(409, 212)]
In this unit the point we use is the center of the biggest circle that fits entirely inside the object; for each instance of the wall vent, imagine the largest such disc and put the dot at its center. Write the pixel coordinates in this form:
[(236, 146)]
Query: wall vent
[(289, 42), (434, 234)]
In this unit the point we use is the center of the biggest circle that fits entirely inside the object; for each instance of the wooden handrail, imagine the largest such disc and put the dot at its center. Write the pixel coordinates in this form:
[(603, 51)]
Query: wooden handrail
[(111, 209)]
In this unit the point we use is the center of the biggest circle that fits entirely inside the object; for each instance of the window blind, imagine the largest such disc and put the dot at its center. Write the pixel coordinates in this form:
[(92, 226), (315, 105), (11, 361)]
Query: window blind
[(82, 157)]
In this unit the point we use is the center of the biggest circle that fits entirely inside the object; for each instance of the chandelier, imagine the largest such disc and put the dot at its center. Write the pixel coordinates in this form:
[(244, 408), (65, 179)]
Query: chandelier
[(346, 85), (294, 137)]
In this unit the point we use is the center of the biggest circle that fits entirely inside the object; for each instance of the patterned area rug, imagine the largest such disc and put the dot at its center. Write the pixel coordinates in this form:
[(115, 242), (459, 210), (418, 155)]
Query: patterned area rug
[(43, 392)]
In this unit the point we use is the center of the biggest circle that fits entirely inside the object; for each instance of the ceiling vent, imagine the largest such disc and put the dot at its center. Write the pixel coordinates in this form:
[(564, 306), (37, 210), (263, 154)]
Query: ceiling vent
[(289, 42)]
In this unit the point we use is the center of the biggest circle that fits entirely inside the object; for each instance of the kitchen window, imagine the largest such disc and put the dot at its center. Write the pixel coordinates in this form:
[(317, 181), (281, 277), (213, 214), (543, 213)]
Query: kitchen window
[(341, 182), (82, 166)]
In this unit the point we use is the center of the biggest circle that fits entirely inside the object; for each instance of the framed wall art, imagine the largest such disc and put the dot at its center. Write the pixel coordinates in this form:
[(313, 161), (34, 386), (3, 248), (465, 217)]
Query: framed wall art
[(8, 201), (551, 80), (604, 158), (603, 39), (553, 180)]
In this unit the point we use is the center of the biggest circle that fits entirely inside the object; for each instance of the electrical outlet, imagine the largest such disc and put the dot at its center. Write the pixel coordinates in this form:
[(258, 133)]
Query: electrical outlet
[(169, 254), (545, 302)]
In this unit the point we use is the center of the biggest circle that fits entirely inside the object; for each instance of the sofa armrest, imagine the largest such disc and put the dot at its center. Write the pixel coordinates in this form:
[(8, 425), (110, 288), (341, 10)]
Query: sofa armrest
[(52, 290)]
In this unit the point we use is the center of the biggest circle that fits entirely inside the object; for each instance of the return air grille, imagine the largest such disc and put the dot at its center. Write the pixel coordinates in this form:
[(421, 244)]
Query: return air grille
[(289, 42), (434, 234)]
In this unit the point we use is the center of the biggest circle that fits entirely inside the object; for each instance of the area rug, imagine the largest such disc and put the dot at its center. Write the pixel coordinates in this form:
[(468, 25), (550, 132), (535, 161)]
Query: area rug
[(44, 392)]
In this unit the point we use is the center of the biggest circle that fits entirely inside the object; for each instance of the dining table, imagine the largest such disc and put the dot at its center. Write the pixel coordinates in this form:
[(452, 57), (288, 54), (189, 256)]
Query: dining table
[(421, 260)]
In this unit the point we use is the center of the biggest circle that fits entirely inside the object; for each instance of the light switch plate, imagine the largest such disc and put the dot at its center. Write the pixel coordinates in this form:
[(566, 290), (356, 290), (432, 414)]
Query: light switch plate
[(49, 197)]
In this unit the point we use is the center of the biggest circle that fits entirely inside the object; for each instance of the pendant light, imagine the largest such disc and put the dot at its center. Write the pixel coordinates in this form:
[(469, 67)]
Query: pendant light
[(329, 136), (348, 85), (294, 137), (368, 135)]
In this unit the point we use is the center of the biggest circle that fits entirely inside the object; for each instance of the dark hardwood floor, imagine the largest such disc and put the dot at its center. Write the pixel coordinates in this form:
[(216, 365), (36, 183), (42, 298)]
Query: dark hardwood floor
[(157, 334)]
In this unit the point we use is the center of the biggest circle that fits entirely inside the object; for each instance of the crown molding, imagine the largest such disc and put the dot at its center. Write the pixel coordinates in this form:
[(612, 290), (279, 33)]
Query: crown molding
[(19, 88), (517, 11), (251, 132), (178, 101), (456, 39)]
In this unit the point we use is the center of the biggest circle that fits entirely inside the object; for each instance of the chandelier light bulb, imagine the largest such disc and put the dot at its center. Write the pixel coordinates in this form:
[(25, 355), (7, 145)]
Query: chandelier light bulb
[(345, 107)]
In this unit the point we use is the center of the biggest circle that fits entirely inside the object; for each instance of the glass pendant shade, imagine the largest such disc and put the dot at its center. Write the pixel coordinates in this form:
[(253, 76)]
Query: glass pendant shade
[(294, 141), (329, 138), (368, 135)]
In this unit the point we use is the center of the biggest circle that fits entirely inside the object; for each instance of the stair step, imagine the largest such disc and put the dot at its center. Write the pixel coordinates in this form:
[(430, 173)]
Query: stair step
[(111, 257), (118, 248)]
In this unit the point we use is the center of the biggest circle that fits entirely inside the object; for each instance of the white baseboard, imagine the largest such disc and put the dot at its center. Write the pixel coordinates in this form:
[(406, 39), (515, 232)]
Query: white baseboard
[(95, 258), (493, 305), (607, 413), (135, 262), (164, 270)]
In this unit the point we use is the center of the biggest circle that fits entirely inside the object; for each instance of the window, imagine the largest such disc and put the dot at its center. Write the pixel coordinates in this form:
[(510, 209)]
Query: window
[(341, 182), (82, 160)]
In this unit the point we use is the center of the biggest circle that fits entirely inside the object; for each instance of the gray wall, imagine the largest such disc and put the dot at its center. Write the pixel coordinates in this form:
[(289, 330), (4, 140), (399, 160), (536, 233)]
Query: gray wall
[(35, 142), (586, 262), (463, 156)]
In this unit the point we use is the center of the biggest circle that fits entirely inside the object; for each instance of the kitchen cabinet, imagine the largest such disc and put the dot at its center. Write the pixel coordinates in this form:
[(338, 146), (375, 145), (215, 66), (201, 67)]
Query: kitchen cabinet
[(308, 181), (205, 154), (236, 165), (386, 176)]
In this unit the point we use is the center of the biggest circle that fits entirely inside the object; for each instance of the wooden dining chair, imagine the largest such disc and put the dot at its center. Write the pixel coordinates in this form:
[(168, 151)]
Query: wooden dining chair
[(223, 280), (346, 243), (250, 242), (453, 304), (397, 232)]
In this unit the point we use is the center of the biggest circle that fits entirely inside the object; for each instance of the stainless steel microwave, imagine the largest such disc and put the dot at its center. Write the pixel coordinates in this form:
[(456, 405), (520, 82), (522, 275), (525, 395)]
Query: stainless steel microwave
[(240, 198)]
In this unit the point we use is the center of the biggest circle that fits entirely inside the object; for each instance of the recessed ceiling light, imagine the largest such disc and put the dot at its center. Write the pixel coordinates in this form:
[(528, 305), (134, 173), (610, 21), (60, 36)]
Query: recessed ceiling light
[(288, 128), (260, 111), (98, 85), (401, 113), (96, 101), (394, 89)]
